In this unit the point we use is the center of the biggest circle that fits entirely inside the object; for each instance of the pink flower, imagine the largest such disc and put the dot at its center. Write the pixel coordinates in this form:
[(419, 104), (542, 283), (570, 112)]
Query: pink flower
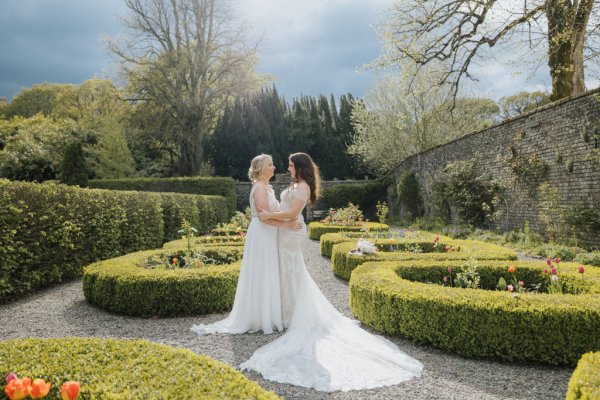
[(445, 278), (549, 261), (557, 260), (510, 288), (11, 377), (447, 248), (580, 269), (521, 283), (554, 271), (449, 270), (545, 270)]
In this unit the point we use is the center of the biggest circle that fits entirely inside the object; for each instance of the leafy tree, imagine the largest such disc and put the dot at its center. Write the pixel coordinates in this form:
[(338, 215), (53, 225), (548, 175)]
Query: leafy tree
[(115, 159), (401, 117), (74, 168), (34, 146), (40, 98), (513, 106), (185, 60), (457, 33)]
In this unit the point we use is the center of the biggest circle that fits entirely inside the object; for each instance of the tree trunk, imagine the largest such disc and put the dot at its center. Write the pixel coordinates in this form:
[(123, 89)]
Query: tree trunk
[(560, 54)]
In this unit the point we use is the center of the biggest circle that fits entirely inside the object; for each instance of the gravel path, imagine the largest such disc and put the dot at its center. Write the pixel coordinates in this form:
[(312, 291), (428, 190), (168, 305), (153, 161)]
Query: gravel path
[(62, 311)]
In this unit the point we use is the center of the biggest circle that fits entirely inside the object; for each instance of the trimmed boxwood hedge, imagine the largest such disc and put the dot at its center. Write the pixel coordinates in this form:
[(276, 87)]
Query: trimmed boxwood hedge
[(203, 241), (49, 232), (343, 263), (546, 328), (585, 381), (125, 369), (316, 229), (328, 240), (119, 285), (202, 212), (218, 186)]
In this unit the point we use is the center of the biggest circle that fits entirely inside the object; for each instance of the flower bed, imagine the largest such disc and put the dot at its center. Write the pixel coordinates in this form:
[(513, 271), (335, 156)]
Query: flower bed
[(556, 329), (316, 229), (122, 286), (328, 240), (585, 381), (119, 369), (343, 262)]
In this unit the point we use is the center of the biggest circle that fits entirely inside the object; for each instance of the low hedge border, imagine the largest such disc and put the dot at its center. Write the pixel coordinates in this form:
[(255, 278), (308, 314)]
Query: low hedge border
[(316, 229), (545, 328), (328, 240), (119, 369), (120, 286), (585, 381), (203, 241), (343, 263)]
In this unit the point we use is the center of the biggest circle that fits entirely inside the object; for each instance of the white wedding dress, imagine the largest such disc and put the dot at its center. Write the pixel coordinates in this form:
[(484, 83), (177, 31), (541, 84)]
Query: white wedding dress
[(322, 349), (257, 303)]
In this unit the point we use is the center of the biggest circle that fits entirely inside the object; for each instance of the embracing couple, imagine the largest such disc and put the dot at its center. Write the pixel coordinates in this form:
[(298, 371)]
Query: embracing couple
[(321, 349)]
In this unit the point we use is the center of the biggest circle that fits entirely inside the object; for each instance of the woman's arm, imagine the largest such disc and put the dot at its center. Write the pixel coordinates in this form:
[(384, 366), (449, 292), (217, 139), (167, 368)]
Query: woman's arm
[(261, 200), (297, 206)]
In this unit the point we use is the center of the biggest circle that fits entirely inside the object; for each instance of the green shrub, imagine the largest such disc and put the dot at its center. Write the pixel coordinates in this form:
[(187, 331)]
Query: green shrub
[(202, 241), (316, 229), (592, 258), (120, 369), (585, 381), (364, 195), (409, 196), (343, 263), (217, 186), (49, 232), (202, 212), (566, 253), (121, 286), (73, 168), (529, 327)]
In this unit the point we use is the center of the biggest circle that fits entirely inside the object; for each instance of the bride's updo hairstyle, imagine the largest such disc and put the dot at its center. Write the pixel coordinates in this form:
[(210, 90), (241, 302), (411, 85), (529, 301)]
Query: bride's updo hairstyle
[(257, 165), (307, 170)]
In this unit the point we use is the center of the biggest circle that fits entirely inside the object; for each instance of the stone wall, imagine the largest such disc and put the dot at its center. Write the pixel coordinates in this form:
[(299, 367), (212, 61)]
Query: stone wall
[(564, 135)]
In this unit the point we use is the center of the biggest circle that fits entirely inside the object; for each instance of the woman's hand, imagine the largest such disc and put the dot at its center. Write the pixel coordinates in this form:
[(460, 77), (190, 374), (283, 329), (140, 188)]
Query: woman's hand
[(294, 225)]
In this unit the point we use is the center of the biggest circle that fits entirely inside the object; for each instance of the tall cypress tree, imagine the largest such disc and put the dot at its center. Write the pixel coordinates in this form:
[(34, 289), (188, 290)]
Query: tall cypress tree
[(74, 169)]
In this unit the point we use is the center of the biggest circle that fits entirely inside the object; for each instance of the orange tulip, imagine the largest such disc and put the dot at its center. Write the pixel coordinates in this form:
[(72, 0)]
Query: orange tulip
[(511, 269), (18, 389), (69, 390), (39, 389)]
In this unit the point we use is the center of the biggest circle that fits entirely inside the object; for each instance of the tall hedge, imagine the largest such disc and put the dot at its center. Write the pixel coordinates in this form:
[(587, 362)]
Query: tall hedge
[(49, 232), (364, 195), (218, 186)]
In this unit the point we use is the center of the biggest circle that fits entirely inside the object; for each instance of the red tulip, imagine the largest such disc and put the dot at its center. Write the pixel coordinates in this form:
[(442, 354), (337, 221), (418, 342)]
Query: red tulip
[(554, 271), (69, 390), (549, 261), (10, 377), (545, 270), (557, 260), (39, 389), (580, 269)]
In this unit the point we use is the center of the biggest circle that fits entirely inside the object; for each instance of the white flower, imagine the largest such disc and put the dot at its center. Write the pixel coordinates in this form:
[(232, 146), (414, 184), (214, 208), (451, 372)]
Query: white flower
[(554, 278), (366, 247)]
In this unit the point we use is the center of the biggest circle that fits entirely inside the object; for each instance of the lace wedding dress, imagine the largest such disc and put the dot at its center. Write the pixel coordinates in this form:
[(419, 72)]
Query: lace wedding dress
[(257, 304), (322, 349)]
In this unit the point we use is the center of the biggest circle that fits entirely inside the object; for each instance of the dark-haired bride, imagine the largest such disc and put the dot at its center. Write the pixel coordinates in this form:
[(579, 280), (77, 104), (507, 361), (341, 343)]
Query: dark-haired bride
[(322, 349)]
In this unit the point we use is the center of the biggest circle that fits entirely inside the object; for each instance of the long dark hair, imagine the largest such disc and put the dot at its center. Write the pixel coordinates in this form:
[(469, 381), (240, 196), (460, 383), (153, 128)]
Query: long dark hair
[(307, 170)]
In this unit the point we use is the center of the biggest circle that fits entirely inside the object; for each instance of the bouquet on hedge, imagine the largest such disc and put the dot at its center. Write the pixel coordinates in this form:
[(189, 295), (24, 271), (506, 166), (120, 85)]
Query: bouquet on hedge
[(348, 216), (364, 247)]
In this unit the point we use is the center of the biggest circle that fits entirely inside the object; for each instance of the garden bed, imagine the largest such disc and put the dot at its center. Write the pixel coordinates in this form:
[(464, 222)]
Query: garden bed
[(119, 369)]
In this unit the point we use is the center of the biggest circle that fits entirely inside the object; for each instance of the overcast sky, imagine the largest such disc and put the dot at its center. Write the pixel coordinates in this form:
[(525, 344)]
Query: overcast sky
[(309, 46)]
